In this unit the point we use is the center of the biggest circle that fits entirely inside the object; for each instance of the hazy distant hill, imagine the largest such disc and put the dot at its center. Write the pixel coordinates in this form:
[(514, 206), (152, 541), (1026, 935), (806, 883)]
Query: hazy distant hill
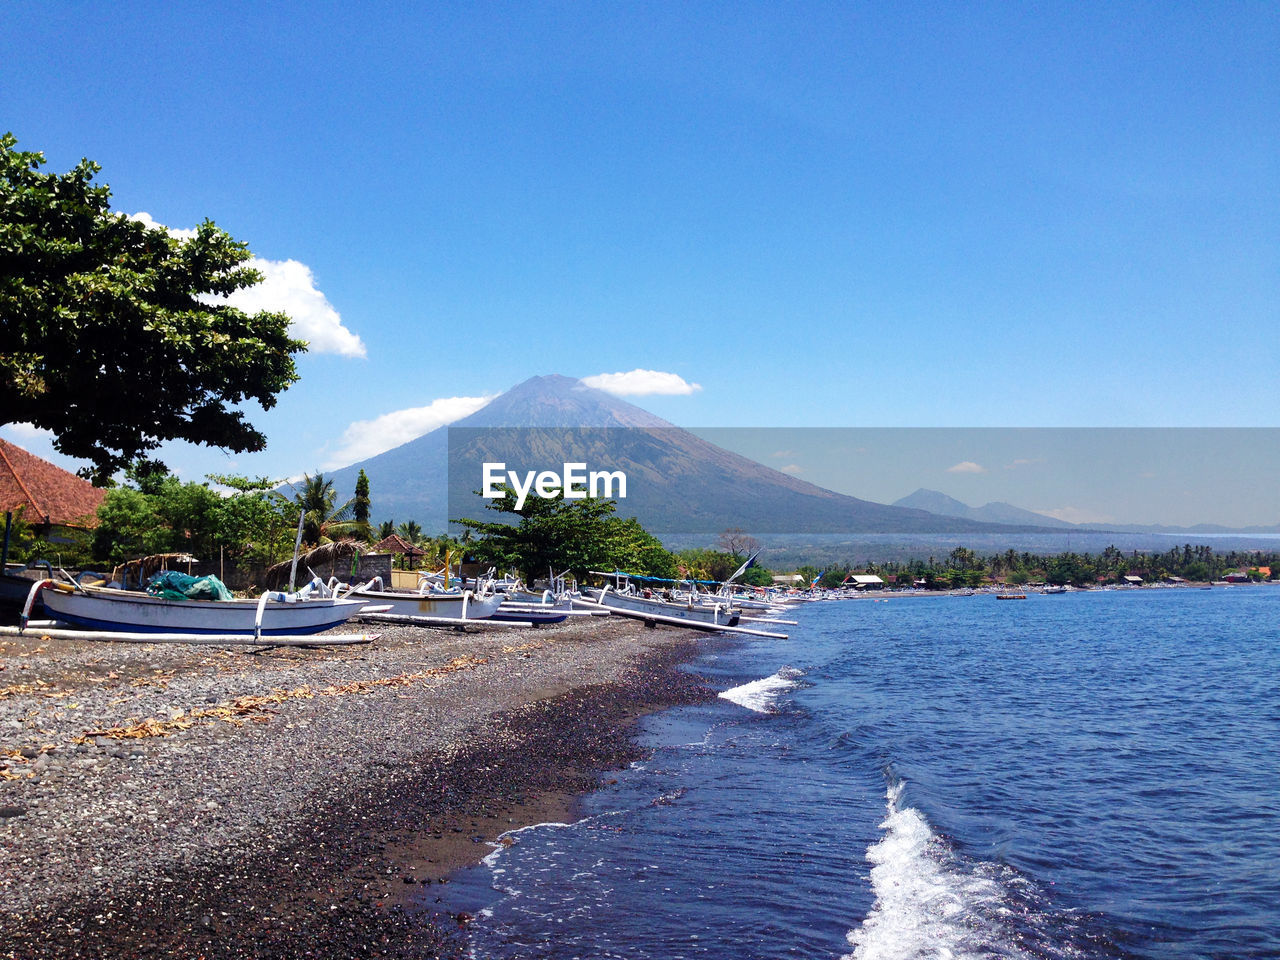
[(994, 512), (999, 512), (677, 481)]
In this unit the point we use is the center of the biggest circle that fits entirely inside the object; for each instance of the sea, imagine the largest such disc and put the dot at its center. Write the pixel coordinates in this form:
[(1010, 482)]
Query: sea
[(1095, 774)]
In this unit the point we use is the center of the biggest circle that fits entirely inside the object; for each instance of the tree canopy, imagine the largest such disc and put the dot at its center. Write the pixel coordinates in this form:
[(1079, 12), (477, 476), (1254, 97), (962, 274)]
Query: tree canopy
[(323, 521), (155, 513), (116, 335), (574, 535)]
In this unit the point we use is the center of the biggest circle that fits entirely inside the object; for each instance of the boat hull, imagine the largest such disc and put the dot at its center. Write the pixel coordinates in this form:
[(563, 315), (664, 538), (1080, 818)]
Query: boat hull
[(439, 606), (716, 616), (519, 611), (140, 613)]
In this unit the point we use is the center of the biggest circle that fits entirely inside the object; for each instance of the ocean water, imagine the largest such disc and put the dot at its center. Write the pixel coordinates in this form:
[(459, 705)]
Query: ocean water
[(1075, 776)]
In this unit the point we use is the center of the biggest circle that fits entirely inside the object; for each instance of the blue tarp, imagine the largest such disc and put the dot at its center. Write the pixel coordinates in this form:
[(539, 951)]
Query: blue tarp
[(636, 576)]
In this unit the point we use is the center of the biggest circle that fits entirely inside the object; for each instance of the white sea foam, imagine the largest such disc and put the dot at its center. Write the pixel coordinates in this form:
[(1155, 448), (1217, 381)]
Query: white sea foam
[(763, 695), (491, 861), (929, 902)]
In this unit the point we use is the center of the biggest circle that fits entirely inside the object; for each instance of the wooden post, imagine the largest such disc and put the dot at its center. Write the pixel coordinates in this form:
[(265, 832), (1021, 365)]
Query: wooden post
[(4, 554)]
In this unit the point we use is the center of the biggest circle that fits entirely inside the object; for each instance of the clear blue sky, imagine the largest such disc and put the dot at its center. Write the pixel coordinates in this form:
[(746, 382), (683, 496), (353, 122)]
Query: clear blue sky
[(822, 214)]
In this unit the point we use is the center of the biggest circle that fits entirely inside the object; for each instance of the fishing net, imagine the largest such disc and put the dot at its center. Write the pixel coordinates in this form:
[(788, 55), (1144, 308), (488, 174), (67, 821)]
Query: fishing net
[(173, 585)]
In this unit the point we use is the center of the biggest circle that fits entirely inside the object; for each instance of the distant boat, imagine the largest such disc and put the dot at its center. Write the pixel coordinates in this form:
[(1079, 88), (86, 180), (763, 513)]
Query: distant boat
[(130, 611), (1055, 589), (1011, 596)]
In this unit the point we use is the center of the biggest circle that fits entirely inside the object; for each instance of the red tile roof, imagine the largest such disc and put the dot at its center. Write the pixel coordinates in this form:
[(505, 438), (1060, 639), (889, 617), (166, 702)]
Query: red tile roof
[(50, 494), (396, 544)]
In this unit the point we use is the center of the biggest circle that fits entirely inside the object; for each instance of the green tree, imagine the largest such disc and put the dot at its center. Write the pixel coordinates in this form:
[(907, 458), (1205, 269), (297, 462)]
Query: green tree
[(574, 535), (158, 513), (386, 528), (116, 336), (322, 520), (21, 537), (360, 506), (757, 576), (128, 526), (703, 563), (411, 532), (253, 520)]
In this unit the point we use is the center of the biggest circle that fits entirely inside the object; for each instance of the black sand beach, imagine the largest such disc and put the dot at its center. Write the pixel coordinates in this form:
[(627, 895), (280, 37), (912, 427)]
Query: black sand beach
[(297, 803)]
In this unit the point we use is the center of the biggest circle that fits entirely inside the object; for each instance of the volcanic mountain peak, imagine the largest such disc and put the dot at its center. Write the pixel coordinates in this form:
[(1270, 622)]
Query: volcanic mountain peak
[(678, 481), (559, 401)]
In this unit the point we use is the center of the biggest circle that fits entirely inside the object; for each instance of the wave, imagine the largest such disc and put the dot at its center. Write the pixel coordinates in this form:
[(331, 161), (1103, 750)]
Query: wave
[(508, 839), (762, 695), (930, 901)]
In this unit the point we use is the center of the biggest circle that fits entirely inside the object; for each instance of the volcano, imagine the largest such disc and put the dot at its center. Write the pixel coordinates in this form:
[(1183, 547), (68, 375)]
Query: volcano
[(677, 482)]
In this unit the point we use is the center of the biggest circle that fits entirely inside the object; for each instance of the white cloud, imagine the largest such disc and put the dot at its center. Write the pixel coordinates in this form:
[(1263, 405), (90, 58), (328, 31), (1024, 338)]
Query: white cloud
[(147, 220), (966, 466), (289, 287), (792, 468), (1024, 462), (367, 438), (642, 383)]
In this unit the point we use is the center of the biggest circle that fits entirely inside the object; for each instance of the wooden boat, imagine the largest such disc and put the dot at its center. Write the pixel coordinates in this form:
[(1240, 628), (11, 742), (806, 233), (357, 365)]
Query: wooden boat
[(536, 612), (427, 603), (1011, 596), (129, 611), (632, 605), (14, 589)]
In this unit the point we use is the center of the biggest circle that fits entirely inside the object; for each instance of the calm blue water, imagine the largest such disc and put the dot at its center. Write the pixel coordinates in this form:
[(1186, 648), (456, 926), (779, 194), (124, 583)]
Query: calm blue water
[(1088, 775)]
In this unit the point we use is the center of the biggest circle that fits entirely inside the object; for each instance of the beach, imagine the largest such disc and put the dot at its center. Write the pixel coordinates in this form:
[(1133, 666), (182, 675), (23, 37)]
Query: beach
[(169, 800)]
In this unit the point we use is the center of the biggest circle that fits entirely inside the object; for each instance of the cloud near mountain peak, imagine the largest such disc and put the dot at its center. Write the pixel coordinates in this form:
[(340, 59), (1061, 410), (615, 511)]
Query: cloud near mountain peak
[(642, 383), (367, 438)]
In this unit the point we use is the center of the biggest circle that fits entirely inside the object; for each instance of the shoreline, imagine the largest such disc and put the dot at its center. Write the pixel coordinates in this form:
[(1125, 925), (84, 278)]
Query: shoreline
[(319, 823)]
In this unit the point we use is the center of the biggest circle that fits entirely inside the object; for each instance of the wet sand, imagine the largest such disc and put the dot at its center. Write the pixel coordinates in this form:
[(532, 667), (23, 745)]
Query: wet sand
[(298, 803)]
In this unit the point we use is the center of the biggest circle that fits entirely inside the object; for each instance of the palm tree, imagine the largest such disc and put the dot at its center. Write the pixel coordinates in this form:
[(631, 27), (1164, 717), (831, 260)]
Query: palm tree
[(321, 521), (411, 531), (386, 529)]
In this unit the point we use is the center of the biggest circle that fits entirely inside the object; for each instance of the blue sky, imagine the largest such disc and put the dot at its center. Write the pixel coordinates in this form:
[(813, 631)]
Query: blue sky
[(821, 214)]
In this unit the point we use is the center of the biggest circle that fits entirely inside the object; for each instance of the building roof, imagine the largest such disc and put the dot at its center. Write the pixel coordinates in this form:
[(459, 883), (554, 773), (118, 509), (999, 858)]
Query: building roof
[(867, 579), (50, 494), (397, 544)]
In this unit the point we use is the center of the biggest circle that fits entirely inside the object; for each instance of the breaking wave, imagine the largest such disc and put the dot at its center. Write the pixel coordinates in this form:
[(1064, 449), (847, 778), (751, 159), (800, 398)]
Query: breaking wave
[(762, 695), (933, 902)]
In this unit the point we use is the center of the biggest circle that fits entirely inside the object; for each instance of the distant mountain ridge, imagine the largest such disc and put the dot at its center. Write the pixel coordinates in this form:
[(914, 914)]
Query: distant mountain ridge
[(995, 512), (999, 512), (682, 482)]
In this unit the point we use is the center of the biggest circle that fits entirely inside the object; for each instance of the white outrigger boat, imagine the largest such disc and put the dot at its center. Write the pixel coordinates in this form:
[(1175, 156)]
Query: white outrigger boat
[(623, 598), (426, 603), (688, 608), (707, 616), (131, 614)]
